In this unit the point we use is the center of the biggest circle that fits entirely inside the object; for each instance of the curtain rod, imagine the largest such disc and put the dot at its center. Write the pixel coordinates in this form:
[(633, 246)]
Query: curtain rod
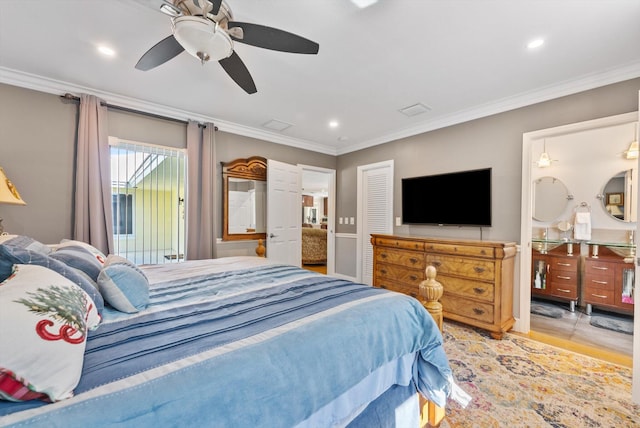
[(75, 99)]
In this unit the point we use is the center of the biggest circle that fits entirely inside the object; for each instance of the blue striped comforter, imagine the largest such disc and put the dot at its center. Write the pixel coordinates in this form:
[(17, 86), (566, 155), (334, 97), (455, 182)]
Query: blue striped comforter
[(241, 342)]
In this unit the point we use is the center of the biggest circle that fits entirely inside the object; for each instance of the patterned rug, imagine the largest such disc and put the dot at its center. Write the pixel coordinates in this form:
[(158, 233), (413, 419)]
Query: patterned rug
[(518, 382)]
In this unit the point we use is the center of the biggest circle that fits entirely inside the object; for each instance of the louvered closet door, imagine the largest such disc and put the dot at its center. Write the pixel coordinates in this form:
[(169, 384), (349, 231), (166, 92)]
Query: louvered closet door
[(375, 210)]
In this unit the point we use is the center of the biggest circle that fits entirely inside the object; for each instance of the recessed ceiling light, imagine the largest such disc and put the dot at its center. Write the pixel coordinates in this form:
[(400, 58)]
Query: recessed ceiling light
[(333, 124), (363, 3), (105, 50), (535, 43)]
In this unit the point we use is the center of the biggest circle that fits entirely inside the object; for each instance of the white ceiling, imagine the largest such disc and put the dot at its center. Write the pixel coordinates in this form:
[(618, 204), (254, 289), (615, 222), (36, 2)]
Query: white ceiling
[(462, 58)]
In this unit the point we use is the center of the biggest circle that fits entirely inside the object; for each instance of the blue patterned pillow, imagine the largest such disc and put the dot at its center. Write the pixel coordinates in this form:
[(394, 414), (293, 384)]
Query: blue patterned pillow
[(10, 255), (26, 242), (123, 285)]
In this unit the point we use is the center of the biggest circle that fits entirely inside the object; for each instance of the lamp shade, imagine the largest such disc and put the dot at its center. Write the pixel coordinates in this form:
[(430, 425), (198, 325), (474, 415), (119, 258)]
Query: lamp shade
[(8, 192)]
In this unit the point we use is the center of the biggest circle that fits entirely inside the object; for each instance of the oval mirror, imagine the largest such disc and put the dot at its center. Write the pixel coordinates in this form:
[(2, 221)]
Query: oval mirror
[(616, 201), (550, 198)]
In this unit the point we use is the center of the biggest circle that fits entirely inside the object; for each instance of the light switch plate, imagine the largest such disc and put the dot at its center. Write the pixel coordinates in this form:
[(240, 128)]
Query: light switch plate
[(352, 220), (398, 221)]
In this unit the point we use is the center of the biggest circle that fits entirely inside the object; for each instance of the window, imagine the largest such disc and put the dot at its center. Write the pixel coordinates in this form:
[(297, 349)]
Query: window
[(148, 195), (122, 205)]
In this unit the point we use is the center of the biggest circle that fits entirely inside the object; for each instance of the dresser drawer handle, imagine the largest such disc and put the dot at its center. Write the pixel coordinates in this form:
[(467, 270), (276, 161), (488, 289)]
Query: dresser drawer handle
[(600, 296), (412, 295), (383, 255), (478, 290), (564, 291), (563, 277), (437, 264), (478, 311), (413, 278), (600, 267), (383, 286), (383, 271), (413, 260), (599, 282), (478, 269), (563, 264)]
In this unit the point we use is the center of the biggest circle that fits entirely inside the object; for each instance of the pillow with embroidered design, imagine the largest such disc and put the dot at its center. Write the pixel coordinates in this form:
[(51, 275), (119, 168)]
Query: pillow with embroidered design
[(10, 256), (45, 318)]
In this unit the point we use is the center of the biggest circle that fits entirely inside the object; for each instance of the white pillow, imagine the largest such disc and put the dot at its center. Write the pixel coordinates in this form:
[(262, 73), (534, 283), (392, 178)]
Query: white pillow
[(44, 321)]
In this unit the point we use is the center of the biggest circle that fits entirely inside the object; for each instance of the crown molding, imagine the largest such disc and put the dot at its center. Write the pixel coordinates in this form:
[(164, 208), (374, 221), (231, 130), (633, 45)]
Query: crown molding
[(569, 87), (58, 87)]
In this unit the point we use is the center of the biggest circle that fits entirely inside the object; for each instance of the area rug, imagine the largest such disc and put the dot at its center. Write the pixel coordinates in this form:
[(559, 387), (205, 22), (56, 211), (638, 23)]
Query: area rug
[(546, 309), (518, 382), (618, 324)]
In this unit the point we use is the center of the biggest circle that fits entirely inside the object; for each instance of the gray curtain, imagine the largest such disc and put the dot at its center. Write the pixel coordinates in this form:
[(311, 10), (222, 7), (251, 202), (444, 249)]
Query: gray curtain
[(201, 185), (93, 217)]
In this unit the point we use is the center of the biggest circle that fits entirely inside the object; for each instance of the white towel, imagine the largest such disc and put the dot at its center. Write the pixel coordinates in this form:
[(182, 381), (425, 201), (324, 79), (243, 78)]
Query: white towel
[(582, 227)]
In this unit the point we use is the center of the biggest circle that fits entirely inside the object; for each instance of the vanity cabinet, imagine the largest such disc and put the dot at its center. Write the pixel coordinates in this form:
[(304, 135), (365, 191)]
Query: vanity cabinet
[(556, 276), (605, 278), (477, 276)]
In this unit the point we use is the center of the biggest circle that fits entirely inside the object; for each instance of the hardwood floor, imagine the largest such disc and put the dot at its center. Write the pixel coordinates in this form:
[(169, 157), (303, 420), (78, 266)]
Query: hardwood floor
[(316, 268), (574, 332)]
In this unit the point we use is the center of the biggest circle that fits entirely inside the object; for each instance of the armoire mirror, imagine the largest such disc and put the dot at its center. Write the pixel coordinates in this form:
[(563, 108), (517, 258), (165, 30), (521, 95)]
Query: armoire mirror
[(550, 198), (245, 199), (617, 201)]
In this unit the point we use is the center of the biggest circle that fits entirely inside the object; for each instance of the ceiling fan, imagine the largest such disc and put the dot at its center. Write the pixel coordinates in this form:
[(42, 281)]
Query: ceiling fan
[(206, 30)]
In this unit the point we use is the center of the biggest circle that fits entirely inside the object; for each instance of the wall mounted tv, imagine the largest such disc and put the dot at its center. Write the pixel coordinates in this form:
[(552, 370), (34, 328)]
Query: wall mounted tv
[(456, 199)]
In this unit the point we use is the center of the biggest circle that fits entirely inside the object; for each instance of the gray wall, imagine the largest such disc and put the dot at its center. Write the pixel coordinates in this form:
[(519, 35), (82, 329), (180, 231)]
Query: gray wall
[(37, 152), (494, 141)]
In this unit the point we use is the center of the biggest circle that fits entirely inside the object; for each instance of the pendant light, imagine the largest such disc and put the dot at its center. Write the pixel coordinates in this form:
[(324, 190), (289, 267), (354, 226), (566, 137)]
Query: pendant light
[(632, 151), (544, 161)]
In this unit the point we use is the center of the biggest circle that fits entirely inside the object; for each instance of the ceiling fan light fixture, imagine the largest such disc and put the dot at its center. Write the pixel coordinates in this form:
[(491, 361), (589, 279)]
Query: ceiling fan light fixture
[(201, 38), (633, 151)]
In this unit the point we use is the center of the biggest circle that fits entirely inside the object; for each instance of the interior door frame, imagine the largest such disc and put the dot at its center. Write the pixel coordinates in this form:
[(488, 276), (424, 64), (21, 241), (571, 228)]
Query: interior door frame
[(523, 322), (331, 211)]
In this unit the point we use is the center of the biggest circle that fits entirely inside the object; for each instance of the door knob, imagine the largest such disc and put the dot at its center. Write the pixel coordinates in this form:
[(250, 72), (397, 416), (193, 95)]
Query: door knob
[(271, 235)]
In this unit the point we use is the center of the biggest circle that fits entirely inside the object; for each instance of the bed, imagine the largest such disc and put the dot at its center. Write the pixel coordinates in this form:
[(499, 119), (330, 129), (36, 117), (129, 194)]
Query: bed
[(234, 342)]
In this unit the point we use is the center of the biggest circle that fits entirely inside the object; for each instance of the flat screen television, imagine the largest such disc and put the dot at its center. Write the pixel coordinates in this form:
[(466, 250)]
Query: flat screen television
[(453, 199)]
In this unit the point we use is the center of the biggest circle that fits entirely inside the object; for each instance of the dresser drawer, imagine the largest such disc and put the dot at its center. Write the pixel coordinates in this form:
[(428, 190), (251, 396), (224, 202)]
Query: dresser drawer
[(565, 290), (409, 259), (468, 288), (596, 296), (458, 266), (597, 267), (463, 250), (400, 273), (605, 282), (392, 285), (565, 264), (467, 308), (399, 243)]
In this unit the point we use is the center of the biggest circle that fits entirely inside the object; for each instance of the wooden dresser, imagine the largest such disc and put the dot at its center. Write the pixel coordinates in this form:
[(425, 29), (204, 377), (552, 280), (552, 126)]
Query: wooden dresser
[(477, 276), (555, 275), (604, 280)]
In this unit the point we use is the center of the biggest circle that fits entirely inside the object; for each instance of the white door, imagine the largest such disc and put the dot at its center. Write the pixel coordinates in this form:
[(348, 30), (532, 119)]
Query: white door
[(283, 213), (375, 212)]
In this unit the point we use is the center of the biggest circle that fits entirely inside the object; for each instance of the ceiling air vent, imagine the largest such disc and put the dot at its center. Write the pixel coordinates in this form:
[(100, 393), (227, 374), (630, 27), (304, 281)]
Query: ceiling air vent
[(414, 110)]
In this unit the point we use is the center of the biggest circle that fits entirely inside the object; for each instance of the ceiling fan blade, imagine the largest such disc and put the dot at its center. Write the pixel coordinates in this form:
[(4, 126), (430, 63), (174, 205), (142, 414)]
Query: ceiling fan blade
[(272, 38), (160, 53), (236, 69), (216, 6)]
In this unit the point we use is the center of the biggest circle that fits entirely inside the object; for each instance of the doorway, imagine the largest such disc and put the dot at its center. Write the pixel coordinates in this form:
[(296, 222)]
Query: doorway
[(317, 216), (584, 166)]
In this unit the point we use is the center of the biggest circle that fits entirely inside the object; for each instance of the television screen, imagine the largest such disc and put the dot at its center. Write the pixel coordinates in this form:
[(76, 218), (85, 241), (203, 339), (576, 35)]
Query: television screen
[(458, 198)]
